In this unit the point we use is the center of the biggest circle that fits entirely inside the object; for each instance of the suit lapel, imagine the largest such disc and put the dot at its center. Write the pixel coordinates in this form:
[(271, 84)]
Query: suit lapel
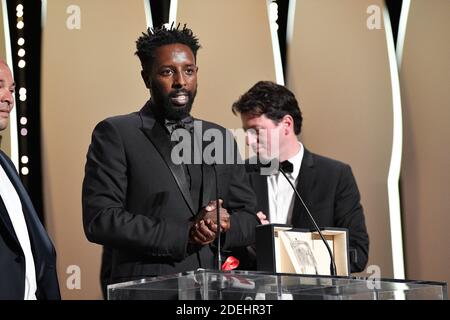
[(208, 175), (160, 139), (5, 221), (208, 184), (40, 242), (305, 186), (4, 216)]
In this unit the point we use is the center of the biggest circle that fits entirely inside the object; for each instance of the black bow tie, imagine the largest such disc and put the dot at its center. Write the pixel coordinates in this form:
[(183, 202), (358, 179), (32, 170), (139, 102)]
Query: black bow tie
[(185, 123), (287, 166)]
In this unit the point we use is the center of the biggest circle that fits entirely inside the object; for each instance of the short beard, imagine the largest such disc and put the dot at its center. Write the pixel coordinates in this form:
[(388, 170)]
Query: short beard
[(167, 110)]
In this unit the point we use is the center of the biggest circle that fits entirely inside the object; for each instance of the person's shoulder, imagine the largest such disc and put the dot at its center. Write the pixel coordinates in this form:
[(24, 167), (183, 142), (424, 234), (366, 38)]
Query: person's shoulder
[(124, 121), (325, 161), (6, 161), (123, 118), (6, 157), (3, 154)]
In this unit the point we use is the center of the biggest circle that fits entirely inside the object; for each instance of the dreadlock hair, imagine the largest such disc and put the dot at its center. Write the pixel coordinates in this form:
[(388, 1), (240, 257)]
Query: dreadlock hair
[(157, 37), (271, 100)]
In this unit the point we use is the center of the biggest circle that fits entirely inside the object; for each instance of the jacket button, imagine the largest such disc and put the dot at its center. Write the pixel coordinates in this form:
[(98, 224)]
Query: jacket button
[(18, 259)]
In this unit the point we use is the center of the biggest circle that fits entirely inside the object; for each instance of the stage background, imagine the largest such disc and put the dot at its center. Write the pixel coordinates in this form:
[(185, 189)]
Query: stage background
[(339, 69)]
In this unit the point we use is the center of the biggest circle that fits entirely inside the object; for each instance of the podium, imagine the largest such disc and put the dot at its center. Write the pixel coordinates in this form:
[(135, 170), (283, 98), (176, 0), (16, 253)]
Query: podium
[(252, 285)]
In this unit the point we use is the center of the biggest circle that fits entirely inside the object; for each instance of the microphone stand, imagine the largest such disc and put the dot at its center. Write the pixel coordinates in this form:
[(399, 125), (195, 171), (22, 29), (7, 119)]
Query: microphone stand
[(332, 263), (220, 284), (219, 244)]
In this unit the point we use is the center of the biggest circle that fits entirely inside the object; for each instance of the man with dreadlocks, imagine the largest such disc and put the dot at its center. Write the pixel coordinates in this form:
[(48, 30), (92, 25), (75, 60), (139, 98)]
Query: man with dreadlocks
[(154, 215)]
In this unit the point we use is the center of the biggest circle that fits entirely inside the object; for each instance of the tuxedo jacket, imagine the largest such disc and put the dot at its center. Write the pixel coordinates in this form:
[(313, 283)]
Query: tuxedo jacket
[(136, 200), (331, 194), (12, 258)]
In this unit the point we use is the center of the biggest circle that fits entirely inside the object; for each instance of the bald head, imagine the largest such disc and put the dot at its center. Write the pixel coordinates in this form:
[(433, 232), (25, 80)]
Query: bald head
[(7, 87)]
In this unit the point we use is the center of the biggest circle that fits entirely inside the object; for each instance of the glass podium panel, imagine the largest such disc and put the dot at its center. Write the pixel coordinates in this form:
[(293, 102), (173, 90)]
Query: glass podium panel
[(253, 285)]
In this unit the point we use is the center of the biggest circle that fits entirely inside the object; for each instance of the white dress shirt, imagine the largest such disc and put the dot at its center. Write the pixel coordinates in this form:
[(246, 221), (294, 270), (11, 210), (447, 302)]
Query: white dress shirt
[(14, 207), (281, 195)]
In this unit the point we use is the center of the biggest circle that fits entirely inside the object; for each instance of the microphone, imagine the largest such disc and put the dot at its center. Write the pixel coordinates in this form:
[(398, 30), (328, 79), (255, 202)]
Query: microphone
[(282, 168), (219, 244), (220, 284)]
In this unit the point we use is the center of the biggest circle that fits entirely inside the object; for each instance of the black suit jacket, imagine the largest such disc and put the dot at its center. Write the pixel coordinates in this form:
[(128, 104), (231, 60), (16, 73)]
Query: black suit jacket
[(136, 201), (331, 194), (12, 259)]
